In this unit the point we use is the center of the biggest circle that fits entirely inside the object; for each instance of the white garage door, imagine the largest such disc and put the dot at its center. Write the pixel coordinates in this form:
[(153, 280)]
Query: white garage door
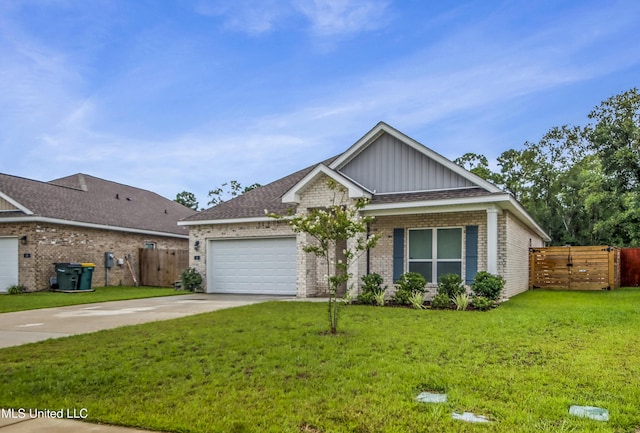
[(252, 266), (8, 263)]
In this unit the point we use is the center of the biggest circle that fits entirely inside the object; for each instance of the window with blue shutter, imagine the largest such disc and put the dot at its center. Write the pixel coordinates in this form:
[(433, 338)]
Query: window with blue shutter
[(471, 254), (398, 253)]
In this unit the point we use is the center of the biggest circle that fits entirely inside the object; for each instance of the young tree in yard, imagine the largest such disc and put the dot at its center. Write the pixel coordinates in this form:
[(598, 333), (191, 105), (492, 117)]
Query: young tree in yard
[(330, 227)]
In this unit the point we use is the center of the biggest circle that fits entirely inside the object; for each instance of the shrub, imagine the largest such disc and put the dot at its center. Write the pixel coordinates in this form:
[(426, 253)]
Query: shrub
[(461, 301), (407, 285), (379, 299), (417, 300), (191, 280), (15, 289), (451, 285), (488, 285), (440, 302), (481, 303), (371, 289)]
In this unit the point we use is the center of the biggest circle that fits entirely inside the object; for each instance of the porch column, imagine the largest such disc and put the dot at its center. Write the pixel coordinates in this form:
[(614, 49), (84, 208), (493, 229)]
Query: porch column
[(492, 240)]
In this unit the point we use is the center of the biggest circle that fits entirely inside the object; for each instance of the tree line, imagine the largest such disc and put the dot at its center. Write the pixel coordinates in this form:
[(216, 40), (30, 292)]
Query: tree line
[(580, 183)]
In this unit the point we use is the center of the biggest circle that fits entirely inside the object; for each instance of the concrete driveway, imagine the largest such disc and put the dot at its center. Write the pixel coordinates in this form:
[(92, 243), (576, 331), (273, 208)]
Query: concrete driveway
[(36, 325)]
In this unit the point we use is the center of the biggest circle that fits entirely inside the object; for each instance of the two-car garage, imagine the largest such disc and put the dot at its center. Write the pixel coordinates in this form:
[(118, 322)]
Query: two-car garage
[(252, 266)]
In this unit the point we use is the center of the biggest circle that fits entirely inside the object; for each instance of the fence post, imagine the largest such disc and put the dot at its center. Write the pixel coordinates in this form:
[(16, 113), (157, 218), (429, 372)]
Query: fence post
[(612, 273), (532, 270)]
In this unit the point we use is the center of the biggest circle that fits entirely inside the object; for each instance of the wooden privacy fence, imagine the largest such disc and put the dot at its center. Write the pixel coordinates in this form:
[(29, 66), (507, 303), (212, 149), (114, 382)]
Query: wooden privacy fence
[(162, 267), (630, 267), (574, 268)]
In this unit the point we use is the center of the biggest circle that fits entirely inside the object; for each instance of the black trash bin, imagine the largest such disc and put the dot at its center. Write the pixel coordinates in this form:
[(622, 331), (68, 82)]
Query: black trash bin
[(68, 276)]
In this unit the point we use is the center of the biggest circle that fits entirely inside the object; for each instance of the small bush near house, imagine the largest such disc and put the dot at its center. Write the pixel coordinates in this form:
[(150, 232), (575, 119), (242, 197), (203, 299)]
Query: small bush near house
[(461, 301), (16, 289), (408, 284), (440, 302), (481, 303), (372, 289), (488, 285), (191, 280), (417, 300), (379, 299), (451, 285)]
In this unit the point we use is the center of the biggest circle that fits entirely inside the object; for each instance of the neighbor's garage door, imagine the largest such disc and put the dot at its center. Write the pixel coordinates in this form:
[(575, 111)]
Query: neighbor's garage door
[(8, 263), (253, 266)]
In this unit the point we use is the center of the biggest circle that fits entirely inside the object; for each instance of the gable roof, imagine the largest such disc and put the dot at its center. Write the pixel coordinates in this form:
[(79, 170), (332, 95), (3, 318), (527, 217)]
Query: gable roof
[(252, 204), (394, 154), (293, 195), (89, 201), (464, 189)]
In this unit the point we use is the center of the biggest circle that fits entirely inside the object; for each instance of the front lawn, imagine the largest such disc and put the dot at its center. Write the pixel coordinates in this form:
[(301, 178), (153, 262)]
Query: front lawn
[(273, 368), (32, 301)]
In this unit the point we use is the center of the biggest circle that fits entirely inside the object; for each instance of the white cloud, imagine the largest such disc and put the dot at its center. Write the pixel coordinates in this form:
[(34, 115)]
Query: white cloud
[(248, 16), (341, 17), (325, 17)]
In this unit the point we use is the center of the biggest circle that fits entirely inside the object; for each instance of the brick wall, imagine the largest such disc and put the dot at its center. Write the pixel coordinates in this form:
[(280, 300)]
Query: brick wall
[(51, 243), (381, 257), (514, 250)]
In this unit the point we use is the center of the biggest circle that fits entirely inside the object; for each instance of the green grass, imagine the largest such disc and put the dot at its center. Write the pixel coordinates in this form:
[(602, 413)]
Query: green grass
[(272, 368), (32, 301)]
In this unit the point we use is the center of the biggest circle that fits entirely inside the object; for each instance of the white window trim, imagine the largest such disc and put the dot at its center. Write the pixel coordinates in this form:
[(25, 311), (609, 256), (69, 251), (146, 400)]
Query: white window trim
[(434, 251)]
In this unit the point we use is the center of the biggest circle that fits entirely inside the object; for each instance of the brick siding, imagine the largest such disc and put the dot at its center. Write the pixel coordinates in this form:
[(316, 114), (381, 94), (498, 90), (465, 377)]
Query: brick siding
[(56, 243)]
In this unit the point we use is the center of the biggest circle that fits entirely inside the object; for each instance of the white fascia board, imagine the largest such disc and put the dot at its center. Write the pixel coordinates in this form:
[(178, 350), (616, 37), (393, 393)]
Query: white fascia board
[(443, 205), (37, 219), (504, 201), (15, 203), (381, 127), (524, 216), (226, 221), (293, 195)]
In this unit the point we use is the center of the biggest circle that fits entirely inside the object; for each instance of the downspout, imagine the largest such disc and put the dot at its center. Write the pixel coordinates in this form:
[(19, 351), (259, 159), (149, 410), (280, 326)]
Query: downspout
[(368, 250)]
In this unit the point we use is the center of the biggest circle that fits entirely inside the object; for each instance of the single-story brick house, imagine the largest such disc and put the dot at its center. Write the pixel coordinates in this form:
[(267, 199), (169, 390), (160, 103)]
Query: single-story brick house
[(433, 216), (78, 219)]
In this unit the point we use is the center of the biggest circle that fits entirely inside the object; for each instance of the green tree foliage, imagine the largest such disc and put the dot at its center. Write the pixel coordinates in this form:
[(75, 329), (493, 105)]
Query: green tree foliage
[(581, 183), (476, 164), (188, 199), (615, 140), (228, 190), (329, 227)]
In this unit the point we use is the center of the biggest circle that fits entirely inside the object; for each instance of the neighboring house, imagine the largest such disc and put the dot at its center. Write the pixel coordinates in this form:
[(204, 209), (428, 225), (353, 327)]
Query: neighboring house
[(78, 219), (433, 216)]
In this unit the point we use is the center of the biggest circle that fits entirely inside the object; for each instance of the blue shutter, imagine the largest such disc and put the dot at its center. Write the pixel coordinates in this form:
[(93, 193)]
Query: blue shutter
[(471, 254), (398, 253)]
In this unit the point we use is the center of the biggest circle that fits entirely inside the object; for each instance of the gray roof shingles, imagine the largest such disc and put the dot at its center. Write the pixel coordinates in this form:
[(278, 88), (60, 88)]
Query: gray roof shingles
[(253, 203), (87, 199)]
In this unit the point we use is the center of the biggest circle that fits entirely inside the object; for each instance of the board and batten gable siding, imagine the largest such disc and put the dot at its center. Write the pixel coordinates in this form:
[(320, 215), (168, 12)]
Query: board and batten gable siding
[(6, 206), (389, 165)]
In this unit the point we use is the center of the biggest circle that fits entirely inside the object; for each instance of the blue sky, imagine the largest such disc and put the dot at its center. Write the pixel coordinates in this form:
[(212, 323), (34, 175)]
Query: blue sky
[(185, 95)]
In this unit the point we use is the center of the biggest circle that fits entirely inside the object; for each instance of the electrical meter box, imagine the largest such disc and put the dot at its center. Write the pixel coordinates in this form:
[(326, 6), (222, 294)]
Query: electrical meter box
[(108, 260)]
